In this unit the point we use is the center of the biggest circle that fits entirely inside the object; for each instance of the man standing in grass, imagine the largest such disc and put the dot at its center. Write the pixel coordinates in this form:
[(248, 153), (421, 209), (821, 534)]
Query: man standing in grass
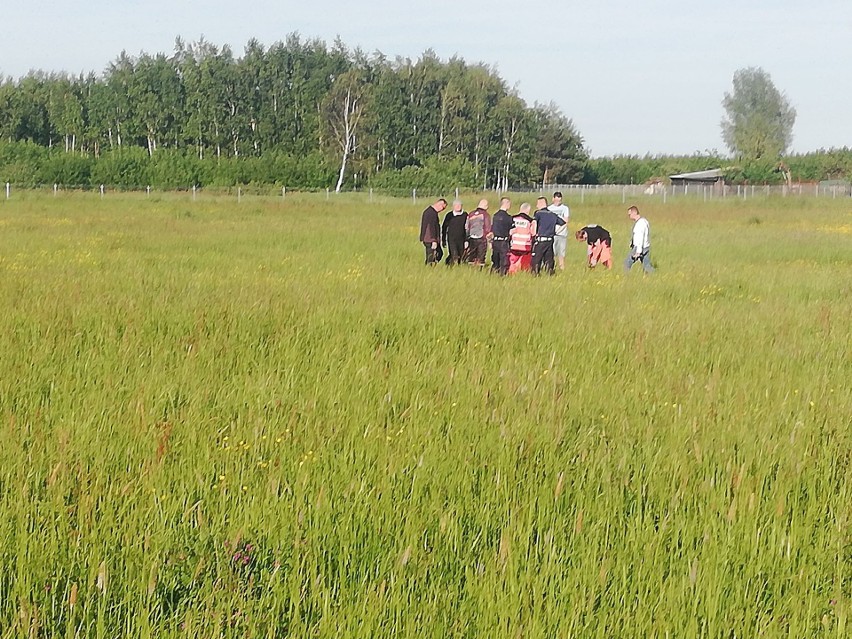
[(521, 243), (430, 230), (501, 225), (478, 229), (545, 223), (640, 242), (560, 238), (453, 233)]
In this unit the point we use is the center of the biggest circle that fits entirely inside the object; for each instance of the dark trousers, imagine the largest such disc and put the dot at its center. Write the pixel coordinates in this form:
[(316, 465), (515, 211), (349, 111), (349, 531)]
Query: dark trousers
[(500, 256), (542, 255), (476, 250), (455, 247), (431, 253)]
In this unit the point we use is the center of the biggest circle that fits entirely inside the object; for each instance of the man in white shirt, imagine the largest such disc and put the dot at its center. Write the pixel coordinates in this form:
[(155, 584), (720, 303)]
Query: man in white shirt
[(640, 242), (560, 240)]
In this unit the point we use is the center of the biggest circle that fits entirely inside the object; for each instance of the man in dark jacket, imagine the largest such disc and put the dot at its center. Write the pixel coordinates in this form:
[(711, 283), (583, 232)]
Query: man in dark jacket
[(430, 230), (501, 224), (545, 222), (453, 233)]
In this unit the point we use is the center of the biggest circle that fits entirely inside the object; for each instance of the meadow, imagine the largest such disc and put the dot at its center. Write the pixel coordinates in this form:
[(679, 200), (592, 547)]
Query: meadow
[(270, 419)]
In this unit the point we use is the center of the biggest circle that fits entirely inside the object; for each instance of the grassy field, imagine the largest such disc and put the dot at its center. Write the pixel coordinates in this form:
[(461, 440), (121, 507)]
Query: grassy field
[(269, 419)]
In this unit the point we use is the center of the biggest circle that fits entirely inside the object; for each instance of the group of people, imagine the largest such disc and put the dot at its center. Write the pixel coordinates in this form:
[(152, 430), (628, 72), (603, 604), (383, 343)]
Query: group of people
[(522, 241)]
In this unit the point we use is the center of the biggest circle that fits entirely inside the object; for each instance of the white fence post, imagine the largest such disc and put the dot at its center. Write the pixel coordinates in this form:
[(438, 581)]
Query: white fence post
[(239, 194), (55, 188), (414, 196), (8, 190), (283, 192), (326, 194), (148, 191), (193, 192), (102, 191)]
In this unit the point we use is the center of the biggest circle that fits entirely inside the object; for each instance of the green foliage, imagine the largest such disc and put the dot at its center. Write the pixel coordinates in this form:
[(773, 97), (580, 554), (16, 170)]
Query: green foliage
[(435, 176), (821, 165), (66, 168), (21, 162), (634, 169), (759, 119), (286, 102), (125, 168), (560, 156)]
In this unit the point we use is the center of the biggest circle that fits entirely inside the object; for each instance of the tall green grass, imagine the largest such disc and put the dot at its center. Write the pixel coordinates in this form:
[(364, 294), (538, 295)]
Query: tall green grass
[(270, 419)]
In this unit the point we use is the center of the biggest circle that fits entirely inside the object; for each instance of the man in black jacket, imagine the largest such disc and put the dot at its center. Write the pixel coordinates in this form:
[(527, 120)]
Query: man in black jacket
[(501, 224), (430, 230), (453, 233), (545, 222)]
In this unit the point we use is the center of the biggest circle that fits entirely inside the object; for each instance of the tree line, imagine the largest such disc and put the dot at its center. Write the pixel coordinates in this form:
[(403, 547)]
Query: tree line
[(304, 114), (299, 113), (831, 164)]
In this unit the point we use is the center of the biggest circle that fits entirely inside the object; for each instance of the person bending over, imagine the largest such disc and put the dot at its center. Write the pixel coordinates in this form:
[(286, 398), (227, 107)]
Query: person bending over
[(599, 244)]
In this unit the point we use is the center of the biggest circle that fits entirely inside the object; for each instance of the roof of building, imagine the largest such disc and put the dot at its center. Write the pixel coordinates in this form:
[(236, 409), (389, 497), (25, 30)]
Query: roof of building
[(711, 174)]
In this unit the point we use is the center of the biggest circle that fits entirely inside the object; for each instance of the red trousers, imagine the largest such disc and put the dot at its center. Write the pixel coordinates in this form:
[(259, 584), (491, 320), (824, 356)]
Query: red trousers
[(519, 261)]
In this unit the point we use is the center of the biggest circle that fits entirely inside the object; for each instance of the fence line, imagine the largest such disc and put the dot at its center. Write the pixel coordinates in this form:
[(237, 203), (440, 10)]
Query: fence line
[(703, 191), (574, 192)]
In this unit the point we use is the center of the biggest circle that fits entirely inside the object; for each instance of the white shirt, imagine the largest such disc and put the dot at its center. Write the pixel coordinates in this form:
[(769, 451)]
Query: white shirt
[(563, 212), (641, 241)]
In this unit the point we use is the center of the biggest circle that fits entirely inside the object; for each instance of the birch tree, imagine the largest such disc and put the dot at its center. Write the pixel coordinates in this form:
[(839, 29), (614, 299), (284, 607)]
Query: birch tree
[(343, 110)]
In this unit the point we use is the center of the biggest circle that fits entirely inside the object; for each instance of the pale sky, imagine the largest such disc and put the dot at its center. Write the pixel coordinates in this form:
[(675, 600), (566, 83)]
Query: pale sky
[(636, 76)]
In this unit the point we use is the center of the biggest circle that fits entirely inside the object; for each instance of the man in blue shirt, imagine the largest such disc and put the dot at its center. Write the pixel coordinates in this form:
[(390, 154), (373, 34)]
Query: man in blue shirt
[(545, 222)]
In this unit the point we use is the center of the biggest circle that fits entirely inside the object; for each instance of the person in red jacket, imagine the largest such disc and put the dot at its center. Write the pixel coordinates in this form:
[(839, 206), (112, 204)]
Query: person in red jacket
[(521, 240)]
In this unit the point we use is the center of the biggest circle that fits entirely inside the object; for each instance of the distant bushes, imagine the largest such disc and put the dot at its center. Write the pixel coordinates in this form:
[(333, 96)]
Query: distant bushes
[(807, 167), (30, 165)]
